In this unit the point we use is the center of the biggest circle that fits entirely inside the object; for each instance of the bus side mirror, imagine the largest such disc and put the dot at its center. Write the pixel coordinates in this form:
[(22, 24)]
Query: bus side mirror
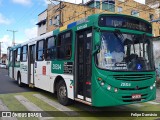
[(97, 29), (55, 37), (97, 48)]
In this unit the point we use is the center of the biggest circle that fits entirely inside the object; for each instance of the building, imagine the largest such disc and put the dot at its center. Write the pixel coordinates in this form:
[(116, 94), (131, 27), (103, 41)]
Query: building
[(4, 58), (155, 4), (65, 13), (42, 28)]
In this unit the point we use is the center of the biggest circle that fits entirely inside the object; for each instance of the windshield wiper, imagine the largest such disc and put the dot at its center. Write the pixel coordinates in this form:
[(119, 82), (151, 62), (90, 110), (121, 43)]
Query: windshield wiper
[(119, 35)]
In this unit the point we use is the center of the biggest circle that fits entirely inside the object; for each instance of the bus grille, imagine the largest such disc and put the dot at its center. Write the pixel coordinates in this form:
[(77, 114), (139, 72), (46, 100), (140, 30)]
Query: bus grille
[(129, 98), (136, 88), (133, 77)]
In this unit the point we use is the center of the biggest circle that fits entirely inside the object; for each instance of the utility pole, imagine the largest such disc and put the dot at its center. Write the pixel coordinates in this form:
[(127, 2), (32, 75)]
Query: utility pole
[(13, 41)]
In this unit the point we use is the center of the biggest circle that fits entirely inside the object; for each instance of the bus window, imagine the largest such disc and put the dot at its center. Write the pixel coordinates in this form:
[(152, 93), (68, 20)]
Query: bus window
[(50, 49), (40, 50), (24, 53), (64, 45), (18, 54), (10, 57)]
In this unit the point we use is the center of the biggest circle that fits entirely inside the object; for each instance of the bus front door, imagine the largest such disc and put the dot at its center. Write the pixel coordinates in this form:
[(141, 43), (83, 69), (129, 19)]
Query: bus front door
[(83, 65), (31, 65), (13, 64)]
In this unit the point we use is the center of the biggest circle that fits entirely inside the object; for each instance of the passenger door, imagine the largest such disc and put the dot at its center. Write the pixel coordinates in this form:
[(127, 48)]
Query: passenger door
[(83, 65), (31, 64)]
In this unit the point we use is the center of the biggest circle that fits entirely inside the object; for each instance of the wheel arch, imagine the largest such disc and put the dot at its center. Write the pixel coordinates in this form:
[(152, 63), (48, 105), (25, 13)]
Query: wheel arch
[(56, 81)]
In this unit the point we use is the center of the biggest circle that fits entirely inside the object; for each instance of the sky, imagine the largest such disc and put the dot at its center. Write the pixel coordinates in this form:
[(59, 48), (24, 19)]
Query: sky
[(22, 16)]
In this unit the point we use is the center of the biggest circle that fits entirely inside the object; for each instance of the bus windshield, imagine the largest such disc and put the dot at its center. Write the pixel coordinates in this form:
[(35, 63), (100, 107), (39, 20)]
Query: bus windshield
[(125, 52)]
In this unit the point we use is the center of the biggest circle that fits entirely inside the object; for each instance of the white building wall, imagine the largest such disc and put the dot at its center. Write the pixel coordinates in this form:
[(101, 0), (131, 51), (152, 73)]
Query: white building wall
[(42, 28), (155, 4)]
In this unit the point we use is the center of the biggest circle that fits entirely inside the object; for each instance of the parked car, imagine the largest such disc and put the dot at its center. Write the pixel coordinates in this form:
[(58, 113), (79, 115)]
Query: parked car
[(3, 65)]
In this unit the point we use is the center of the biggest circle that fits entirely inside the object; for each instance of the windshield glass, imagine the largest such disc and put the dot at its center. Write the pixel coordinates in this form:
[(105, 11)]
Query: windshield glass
[(125, 52)]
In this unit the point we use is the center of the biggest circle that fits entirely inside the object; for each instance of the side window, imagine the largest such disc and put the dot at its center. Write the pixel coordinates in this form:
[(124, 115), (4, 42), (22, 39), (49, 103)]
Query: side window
[(18, 54), (40, 50), (135, 13), (50, 48), (24, 53), (64, 45), (10, 57)]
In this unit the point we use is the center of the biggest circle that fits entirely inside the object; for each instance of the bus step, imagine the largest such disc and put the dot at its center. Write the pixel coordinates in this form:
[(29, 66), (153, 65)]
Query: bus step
[(31, 85), (82, 101)]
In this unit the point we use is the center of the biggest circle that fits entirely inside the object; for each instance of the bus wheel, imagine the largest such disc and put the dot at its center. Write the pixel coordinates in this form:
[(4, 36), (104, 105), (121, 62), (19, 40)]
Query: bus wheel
[(19, 81), (62, 94)]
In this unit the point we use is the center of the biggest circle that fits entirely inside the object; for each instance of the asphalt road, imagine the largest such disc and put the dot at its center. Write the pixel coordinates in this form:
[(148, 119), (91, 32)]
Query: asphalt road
[(8, 85)]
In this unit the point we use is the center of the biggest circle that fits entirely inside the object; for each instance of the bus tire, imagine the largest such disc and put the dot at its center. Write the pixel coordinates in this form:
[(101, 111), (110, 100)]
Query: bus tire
[(62, 94), (19, 81)]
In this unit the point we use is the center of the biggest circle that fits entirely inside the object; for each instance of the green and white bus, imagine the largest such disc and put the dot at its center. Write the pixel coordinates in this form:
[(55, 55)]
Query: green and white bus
[(101, 60)]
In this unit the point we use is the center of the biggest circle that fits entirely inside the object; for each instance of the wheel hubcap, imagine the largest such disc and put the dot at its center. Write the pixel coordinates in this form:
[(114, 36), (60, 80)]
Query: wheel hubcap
[(62, 92), (19, 82)]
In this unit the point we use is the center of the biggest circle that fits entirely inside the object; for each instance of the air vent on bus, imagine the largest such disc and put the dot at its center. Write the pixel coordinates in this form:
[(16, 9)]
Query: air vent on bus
[(133, 77), (136, 88)]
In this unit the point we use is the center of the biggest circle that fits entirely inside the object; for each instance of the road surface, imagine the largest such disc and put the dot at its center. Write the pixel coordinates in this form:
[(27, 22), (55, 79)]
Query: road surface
[(8, 85)]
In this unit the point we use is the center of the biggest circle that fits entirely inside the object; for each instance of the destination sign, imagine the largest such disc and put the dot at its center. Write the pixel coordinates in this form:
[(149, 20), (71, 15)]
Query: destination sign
[(121, 21)]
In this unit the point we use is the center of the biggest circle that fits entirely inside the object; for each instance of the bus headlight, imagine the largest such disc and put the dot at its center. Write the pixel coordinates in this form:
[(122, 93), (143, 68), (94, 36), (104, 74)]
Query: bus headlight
[(115, 90), (151, 87), (108, 87), (102, 83), (154, 85)]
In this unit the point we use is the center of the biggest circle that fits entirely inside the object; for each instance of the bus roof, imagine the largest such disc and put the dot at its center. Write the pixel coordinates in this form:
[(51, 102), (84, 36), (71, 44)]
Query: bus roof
[(15, 47), (92, 18)]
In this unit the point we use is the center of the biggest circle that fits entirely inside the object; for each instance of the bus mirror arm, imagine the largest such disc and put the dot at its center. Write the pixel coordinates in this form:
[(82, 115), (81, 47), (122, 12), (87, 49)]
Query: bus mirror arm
[(96, 50), (96, 28)]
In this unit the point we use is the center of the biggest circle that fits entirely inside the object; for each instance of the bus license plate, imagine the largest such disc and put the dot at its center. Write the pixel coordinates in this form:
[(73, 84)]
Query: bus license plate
[(136, 96)]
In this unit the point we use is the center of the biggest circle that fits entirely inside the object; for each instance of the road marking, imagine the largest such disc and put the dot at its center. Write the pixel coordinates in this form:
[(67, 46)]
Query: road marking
[(30, 106), (3, 107), (138, 105), (154, 103), (56, 105)]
